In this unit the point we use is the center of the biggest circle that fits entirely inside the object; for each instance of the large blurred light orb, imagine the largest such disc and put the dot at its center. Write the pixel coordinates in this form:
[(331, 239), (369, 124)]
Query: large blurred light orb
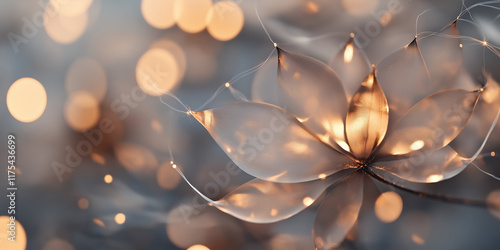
[(71, 8), (20, 243), (157, 72), (225, 20), (63, 29), (388, 207), (191, 15), (81, 111), (86, 74), (176, 51), (26, 99), (158, 13)]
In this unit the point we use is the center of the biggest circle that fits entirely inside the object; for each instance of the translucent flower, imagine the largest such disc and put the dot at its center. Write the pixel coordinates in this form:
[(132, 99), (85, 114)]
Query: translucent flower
[(320, 136)]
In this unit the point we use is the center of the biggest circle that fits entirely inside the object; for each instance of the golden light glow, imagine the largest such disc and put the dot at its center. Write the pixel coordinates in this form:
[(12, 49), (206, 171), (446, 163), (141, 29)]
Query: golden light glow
[(492, 153), (416, 145), (417, 239), (167, 177), (81, 111), (343, 145), (388, 207), (86, 74), (21, 239), (157, 72), (71, 8), (156, 126), (360, 7), (297, 147), (108, 178), (492, 93), (312, 7), (434, 178), (385, 18), (135, 157), (120, 218), (274, 212), (198, 247), (308, 201), (83, 203), (322, 176), (493, 201), (158, 13), (98, 158), (485, 43), (26, 99), (461, 45), (348, 52), (227, 85), (98, 222), (225, 20), (191, 15), (177, 52), (64, 29)]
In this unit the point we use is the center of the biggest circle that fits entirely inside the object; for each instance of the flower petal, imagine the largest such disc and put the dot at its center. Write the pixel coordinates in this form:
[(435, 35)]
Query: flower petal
[(442, 54), (311, 91), (261, 201), (351, 67), (431, 124), (404, 79), (421, 167), (367, 119), (267, 142), (338, 212), (265, 83)]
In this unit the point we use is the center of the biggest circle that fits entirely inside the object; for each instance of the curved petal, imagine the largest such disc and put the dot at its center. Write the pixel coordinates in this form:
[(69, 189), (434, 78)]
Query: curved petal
[(351, 67), (367, 119), (431, 124), (404, 79), (311, 91), (267, 142), (442, 54), (421, 167), (261, 201), (338, 212), (265, 83)]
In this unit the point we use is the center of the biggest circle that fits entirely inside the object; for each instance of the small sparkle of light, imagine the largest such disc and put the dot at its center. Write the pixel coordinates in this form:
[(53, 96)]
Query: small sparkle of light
[(352, 35), (322, 176), (275, 45), (174, 166), (120, 218), (485, 43), (434, 178), (227, 85), (274, 212), (108, 178), (308, 201), (416, 145), (492, 153), (348, 53), (98, 222), (461, 45), (171, 162)]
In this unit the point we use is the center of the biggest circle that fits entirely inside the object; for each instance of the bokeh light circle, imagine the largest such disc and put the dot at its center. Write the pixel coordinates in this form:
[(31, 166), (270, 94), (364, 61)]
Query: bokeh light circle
[(64, 29), (158, 13), (225, 20), (26, 99), (81, 111), (87, 74), (388, 207), (157, 72), (21, 239), (191, 15)]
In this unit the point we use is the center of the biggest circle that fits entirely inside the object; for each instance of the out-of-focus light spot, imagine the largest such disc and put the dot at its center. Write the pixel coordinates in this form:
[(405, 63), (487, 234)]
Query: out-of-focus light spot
[(191, 15), (63, 29), (388, 207), (71, 8), (58, 244), (435, 178), (360, 7), (492, 153), (485, 43), (322, 176), (461, 45), (86, 74), (177, 52), (98, 222), (108, 178), (167, 177), (274, 212), (134, 157), (348, 52), (198, 247), (20, 243), (385, 18), (156, 126), (81, 111), (227, 85), (157, 72), (417, 239), (492, 92), (26, 99), (120, 218), (225, 20), (83, 203), (312, 7), (158, 13), (493, 201), (307, 201), (98, 158), (416, 145)]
